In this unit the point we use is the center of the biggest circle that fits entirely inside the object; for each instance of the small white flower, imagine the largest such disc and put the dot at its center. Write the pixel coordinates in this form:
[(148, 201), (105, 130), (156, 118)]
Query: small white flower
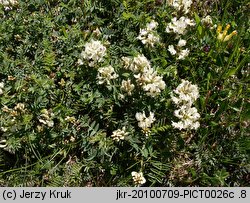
[(19, 107), (138, 178), (152, 25), (171, 49), (127, 86), (152, 40), (126, 62), (143, 121), (207, 20), (189, 21), (152, 84), (181, 5), (140, 116), (187, 112), (187, 4), (179, 26), (187, 93), (188, 116), (148, 36), (94, 52), (140, 64), (151, 89), (183, 54), (178, 125), (106, 74), (182, 43), (119, 134), (46, 118), (8, 4), (79, 62), (145, 76), (143, 33), (50, 123)]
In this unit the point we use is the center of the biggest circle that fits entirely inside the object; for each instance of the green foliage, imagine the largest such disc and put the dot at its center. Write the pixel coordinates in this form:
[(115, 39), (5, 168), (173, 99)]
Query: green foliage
[(57, 120)]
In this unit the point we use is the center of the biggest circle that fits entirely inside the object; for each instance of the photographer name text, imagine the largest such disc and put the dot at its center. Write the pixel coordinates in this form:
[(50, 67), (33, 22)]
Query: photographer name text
[(26, 194)]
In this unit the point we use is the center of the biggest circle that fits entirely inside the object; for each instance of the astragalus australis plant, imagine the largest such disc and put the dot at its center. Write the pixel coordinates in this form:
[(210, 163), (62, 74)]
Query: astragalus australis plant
[(124, 93)]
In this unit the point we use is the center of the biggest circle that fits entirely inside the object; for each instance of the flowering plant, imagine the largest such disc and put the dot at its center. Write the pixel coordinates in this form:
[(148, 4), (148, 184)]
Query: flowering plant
[(124, 93)]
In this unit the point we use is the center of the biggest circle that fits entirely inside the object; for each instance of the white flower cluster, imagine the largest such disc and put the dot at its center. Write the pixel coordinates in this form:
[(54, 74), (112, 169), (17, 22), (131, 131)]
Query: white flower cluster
[(149, 36), (138, 178), (94, 53), (1, 87), (187, 94), (20, 107), (181, 53), (105, 74), (17, 110), (188, 118), (179, 26), (138, 64), (151, 83), (119, 134), (46, 118), (146, 76), (145, 122), (207, 21), (127, 86), (183, 5), (8, 3)]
